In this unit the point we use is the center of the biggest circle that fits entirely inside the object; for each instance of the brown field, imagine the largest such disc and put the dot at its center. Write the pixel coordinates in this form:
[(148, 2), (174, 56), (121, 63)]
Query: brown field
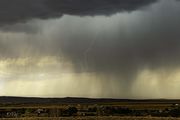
[(96, 118), (135, 106), (89, 109)]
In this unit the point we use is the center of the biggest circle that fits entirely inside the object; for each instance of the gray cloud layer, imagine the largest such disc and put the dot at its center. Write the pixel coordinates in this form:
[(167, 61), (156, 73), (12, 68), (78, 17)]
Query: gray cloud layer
[(20, 10), (117, 47), (153, 41)]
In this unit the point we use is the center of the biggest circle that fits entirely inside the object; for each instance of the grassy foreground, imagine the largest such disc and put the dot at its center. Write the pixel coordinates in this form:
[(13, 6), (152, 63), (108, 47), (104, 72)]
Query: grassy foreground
[(95, 118), (87, 109)]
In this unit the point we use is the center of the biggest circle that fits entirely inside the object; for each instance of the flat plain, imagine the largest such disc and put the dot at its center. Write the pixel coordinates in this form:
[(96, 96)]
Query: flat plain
[(95, 118), (87, 109)]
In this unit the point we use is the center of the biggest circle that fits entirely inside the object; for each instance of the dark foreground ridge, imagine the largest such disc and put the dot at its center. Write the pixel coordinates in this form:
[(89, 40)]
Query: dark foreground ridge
[(74, 100)]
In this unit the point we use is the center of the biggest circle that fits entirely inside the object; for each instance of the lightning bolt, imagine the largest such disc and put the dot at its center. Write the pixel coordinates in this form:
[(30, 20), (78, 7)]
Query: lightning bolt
[(86, 52)]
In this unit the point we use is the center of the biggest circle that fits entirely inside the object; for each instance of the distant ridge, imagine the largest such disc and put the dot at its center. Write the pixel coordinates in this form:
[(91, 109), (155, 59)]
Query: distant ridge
[(74, 100)]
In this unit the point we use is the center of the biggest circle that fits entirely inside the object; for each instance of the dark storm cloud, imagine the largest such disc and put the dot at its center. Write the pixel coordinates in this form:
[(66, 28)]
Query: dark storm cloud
[(12, 11), (114, 49), (152, 43)]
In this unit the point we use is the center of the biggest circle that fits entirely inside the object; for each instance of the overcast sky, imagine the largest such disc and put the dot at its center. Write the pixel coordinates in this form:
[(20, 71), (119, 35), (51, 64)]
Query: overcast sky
[(83, 48)]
